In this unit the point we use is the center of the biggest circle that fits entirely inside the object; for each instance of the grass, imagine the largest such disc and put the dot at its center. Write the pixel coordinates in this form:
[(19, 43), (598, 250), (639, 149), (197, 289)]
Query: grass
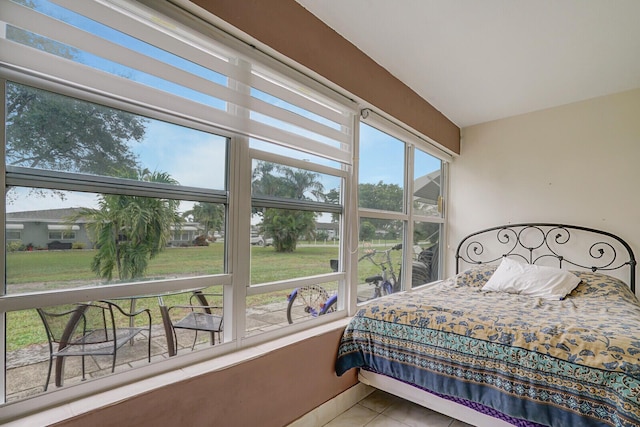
[(45, 270)]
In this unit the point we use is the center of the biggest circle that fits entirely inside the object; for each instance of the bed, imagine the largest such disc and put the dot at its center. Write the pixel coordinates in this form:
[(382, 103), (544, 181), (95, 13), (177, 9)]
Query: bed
[(526, 356)]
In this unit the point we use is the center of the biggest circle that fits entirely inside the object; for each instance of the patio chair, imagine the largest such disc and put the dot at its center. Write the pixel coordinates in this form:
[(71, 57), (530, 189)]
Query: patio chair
[(90, 329), (201, 317)]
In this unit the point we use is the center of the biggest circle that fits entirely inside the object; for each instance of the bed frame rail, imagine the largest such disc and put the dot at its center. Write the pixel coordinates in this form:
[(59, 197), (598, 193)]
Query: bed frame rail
[(560, 245)]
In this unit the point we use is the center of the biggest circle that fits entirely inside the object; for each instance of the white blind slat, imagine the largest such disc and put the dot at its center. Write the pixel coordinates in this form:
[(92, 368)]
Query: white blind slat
[(299, 100), (267, 109)]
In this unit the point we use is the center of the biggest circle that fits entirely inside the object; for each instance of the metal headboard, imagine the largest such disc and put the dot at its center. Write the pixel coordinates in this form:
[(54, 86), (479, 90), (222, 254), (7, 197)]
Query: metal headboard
[(545, 243)]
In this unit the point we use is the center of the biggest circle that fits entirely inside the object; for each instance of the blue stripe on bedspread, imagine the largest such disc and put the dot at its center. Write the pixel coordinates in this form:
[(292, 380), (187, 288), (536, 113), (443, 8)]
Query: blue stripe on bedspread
[(501, 377)]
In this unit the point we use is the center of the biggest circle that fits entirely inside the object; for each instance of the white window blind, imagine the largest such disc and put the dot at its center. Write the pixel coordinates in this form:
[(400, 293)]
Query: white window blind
[(192, 75)]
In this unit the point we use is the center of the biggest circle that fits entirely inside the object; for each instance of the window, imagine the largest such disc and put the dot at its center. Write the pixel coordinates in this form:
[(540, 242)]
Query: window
[(13, 231), (62, 232), (291, 201), (13, 235), (150, 159), (401, 209), (428, 215), (132, 147), (62, 235)]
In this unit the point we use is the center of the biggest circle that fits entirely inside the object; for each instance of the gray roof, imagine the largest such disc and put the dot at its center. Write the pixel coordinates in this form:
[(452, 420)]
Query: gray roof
[(427, 187), (48, 215)]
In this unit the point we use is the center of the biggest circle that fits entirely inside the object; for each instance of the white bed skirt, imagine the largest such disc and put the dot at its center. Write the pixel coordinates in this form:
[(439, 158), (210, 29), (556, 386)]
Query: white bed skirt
[(429, 400)]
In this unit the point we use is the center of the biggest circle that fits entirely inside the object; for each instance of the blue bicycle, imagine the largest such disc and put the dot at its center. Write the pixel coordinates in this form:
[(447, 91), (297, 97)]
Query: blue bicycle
[(314, 300)]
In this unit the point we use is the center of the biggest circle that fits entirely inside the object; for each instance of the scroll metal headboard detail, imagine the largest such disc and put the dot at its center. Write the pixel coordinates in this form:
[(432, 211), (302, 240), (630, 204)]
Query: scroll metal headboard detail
[(535, 242)]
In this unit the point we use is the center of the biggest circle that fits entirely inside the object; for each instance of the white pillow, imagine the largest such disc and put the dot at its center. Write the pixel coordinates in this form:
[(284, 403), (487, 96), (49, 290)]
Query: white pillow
[(537, 281)]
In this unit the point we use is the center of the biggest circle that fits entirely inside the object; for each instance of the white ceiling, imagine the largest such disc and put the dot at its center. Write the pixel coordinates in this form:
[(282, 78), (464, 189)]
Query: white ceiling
[(481, 60)]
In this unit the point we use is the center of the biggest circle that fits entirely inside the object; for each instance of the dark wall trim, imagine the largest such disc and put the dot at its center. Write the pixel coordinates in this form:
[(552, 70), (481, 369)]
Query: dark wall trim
[(288, 28)]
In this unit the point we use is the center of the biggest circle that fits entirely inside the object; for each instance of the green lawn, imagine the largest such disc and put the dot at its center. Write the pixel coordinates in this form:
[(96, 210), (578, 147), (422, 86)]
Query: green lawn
[(42, 270)]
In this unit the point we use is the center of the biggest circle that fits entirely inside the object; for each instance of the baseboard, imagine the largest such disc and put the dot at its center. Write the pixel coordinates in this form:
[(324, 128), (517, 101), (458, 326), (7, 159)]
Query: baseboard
[(334, 407)]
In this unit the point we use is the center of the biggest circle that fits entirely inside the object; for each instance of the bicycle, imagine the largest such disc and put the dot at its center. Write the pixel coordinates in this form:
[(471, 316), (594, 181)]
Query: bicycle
[(387, 282), (316, 301)]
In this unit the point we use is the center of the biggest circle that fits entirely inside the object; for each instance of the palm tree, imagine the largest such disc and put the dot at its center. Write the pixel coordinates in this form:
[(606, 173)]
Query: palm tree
[(286, 225), (130, 230), (210, 215)]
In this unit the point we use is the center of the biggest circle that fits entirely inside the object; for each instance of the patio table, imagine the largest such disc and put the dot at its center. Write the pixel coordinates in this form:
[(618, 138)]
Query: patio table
[(164, 311)]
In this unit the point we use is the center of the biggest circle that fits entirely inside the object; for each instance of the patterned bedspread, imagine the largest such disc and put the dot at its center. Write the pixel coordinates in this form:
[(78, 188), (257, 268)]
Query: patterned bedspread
[(574, 362)]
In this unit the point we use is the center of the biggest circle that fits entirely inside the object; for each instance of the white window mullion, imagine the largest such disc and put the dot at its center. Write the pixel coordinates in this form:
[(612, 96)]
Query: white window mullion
[(240, 213), (407, 248), (372, 213), (28, 301), (3, 201), (39, 178), (283, 285)]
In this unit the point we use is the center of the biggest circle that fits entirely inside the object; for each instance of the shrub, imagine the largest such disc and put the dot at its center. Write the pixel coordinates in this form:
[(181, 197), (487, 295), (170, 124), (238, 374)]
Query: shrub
[(201, 241), (77, 245), (15, 245), (322, 235)]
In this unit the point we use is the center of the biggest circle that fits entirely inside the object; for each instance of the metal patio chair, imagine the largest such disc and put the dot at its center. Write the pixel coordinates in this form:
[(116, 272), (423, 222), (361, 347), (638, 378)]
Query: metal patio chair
[(89, 329), (201, 317)]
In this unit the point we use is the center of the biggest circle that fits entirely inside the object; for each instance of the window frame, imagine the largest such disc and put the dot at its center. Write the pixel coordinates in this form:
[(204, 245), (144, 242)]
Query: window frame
[(75, 81), (8, 234), (64, 235), (412, 142), (282, 203)]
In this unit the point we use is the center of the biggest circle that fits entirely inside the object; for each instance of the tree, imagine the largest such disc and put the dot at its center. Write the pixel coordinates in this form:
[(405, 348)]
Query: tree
[(381, 196), (367, 230), (386, 197), (210, 215), (286, 226), (130, 230), (55, 132), (333, 196), (50, 131)]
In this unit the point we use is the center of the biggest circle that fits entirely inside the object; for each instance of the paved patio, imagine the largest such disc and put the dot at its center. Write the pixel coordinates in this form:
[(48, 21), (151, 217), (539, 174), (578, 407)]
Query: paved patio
[(27, 367)]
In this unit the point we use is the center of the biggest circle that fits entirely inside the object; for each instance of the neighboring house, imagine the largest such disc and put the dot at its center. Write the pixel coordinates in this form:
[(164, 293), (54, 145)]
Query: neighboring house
[(39, 229), (331, 228), (184, 235), (52, 229)]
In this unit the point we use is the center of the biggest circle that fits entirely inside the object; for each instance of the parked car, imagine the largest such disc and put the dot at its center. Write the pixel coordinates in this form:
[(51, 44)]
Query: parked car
[(261, 241)]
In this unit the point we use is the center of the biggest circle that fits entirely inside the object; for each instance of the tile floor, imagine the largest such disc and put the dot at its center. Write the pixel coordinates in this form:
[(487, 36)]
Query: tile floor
[(381, 409)]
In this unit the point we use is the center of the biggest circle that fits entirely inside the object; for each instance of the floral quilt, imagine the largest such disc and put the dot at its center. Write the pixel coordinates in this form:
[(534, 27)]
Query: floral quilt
[(559, 363)]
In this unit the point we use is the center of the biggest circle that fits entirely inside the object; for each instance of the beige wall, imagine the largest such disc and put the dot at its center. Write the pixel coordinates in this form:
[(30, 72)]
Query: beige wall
[(269, 391), (576, 164)]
